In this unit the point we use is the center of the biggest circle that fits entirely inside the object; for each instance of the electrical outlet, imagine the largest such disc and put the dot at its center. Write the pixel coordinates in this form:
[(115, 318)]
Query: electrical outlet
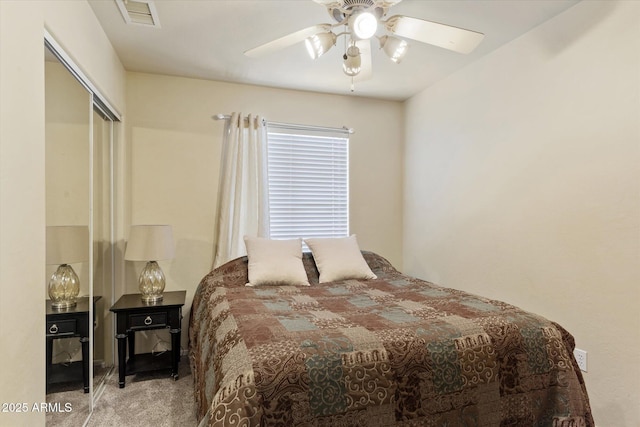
[(581, 358)]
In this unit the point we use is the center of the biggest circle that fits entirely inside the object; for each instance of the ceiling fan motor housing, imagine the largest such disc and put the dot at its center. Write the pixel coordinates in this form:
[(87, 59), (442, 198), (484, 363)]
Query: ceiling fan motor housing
[(349, 4), (342, 9)]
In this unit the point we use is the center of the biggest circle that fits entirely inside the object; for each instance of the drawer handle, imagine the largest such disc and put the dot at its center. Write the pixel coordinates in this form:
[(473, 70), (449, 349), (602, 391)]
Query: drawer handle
[(53, 329), (148, 321)]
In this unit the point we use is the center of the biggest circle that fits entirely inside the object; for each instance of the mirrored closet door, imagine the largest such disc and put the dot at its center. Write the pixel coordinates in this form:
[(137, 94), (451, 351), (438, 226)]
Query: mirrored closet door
[(79, 286), (103, 247), (68, 220)]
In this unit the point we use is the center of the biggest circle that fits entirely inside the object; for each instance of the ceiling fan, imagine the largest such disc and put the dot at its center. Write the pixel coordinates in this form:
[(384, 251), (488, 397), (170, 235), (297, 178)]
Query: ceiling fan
[(363, 20)]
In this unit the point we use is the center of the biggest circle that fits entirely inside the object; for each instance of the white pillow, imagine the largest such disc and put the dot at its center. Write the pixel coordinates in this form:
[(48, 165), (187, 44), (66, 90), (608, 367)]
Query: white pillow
[(339, 259), (275, 262)]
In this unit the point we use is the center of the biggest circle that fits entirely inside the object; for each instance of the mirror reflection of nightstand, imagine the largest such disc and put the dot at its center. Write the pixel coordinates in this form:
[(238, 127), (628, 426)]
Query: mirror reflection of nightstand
[(69, 323)]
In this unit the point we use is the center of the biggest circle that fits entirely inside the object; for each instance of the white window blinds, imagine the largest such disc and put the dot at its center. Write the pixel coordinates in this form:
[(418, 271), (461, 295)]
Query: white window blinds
[(308, 182)]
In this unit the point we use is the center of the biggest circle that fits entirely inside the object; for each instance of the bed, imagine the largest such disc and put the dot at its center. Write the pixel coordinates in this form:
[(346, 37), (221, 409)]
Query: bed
[(390, 351)]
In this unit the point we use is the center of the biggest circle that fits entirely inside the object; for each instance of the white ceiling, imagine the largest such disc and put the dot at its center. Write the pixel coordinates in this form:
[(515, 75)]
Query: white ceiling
[(206, 39)]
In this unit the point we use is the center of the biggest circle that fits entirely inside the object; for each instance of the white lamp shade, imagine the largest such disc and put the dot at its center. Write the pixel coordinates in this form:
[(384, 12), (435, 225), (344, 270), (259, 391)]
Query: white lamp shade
[(67, 244), (150, 243), (320, 43), (394, 47), (353, 63)]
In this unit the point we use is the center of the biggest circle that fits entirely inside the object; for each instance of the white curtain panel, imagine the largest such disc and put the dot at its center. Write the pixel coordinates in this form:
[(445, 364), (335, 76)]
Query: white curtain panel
[(242, 190)]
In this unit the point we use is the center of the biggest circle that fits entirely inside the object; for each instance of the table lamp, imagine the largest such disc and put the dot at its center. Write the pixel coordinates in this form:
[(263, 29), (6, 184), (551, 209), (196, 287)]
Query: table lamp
[(150, 243), (66, 244)]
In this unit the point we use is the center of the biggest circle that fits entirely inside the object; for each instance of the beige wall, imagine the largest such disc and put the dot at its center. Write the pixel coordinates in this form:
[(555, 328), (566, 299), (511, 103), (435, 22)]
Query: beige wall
[(174, 154), (523, 184), (22, 179), (22, 215), (73, 24)]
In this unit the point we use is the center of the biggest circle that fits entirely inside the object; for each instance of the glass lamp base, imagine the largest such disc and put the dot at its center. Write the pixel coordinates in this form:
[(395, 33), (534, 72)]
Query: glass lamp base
[(152, 299), (63, 305), (151, 283), (64, 287)]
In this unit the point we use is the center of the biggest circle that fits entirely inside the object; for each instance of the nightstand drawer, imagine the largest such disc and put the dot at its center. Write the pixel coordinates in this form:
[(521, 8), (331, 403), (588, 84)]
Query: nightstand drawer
[(61, 327), (148, 320)]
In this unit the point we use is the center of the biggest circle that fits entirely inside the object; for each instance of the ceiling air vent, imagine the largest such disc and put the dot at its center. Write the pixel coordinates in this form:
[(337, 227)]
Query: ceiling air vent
[(139, 12)]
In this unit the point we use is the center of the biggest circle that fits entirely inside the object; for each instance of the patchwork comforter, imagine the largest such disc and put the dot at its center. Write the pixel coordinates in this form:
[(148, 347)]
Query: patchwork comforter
[(394, 351)]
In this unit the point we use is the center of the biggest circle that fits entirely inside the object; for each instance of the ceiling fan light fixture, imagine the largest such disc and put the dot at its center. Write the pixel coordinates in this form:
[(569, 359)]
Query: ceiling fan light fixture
[(352, 61), (319, 44), (362, 20), (364, 25), (394, 47)]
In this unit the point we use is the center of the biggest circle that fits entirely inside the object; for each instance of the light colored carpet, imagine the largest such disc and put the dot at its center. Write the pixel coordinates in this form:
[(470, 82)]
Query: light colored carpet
[(151, 399), (69, 403), (148, 399)]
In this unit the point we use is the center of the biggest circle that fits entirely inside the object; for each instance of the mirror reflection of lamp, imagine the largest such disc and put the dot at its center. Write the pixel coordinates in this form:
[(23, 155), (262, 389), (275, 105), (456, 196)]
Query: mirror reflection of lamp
[(150, 243), (66, 244)]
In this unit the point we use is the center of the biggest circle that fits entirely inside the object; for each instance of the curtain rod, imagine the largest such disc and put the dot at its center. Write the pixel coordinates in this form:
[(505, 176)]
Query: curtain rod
[(291, 126)]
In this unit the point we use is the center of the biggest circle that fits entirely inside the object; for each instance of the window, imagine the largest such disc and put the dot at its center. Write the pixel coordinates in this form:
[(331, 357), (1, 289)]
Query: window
[(308, 181)]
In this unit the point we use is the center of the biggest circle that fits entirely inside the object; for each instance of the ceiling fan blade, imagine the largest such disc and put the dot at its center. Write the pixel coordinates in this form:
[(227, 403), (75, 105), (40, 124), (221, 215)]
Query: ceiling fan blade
[(366, 70), (388, 3), (328, 2), (287, 40), (445, 36), (338, 4)]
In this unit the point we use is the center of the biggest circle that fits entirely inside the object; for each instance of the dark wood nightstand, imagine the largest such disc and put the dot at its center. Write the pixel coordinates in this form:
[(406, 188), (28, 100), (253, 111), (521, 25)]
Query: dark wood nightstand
[(133, 315), (68, 323)]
